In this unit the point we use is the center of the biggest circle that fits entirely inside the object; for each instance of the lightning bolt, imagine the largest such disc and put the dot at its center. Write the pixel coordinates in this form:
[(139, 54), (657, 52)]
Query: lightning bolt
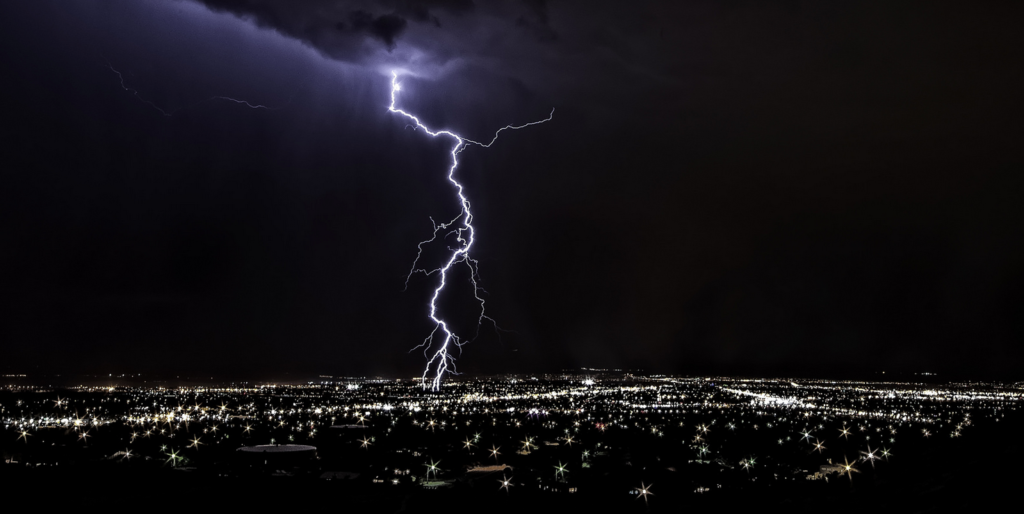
[(167, 113), (442, 361), (135, 93)]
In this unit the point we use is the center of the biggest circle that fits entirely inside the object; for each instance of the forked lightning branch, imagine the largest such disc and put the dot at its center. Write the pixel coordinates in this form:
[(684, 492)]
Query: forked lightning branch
[(442, 341)]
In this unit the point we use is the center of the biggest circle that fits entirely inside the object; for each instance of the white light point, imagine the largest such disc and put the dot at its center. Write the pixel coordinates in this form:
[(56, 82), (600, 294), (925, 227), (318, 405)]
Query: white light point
[(442, 361)]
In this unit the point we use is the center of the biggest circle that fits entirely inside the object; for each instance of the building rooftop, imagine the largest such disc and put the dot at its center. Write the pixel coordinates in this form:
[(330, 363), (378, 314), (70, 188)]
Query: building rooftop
[(278, 448)]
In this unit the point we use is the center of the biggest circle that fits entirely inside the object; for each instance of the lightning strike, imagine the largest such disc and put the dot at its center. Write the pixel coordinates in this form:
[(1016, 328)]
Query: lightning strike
[(169, 114), (442, 361), (135, 92)]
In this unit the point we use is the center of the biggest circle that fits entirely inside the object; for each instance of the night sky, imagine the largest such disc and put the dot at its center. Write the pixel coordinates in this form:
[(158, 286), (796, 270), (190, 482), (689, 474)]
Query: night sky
[(744, 187)]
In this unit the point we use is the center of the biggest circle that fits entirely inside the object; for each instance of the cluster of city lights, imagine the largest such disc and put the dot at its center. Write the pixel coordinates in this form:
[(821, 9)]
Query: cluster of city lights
[(550, 431)]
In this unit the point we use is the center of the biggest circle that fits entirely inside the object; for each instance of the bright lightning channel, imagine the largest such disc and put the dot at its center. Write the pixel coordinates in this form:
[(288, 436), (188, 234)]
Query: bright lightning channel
[(442, 361)]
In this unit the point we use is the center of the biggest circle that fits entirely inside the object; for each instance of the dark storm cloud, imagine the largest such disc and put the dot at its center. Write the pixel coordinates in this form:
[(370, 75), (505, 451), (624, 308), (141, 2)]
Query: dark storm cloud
[(386, 27), (420, 10), (536, 20), (332, 27), (335, 28), (445, 29)]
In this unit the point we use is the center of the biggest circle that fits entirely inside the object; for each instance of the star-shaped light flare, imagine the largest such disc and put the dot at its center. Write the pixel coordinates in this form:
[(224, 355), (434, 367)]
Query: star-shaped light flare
[(644, 491)]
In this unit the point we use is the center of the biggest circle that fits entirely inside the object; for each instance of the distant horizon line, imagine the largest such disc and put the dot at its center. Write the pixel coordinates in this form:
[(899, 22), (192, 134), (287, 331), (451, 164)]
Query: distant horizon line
[(294, 378)]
